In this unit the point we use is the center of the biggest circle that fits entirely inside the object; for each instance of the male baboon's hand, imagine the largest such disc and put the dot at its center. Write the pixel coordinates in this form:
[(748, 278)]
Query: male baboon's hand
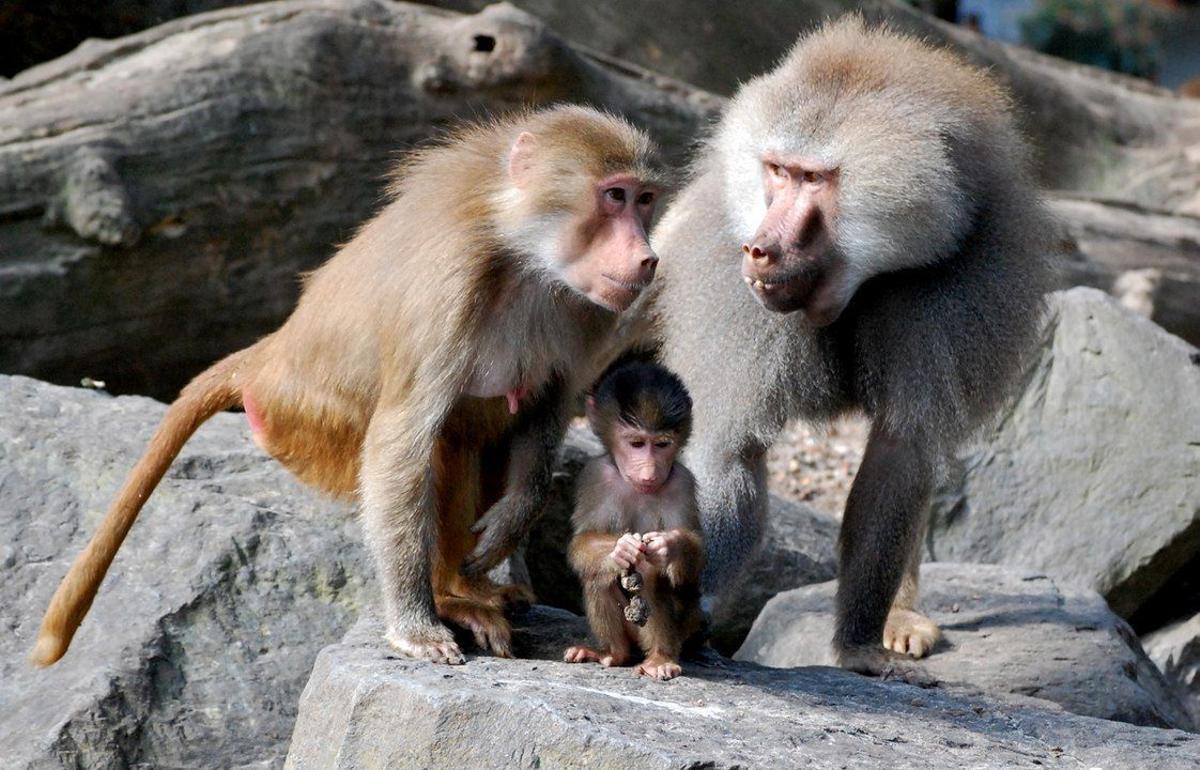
[(500, 531)]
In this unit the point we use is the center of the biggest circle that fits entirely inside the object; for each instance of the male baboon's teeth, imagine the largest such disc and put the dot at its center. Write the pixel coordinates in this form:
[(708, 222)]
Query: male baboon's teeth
[(749, 281), (758, 284)]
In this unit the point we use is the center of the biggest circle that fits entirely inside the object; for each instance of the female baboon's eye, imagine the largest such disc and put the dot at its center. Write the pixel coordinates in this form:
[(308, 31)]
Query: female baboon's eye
[(646, 198), (615, 194)]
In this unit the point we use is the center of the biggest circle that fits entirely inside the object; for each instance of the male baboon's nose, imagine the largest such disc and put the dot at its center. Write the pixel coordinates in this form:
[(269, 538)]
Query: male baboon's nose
[(757, 253)]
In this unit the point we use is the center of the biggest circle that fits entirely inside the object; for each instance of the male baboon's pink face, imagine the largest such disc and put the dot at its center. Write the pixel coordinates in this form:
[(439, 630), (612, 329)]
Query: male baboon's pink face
[(790, 264)]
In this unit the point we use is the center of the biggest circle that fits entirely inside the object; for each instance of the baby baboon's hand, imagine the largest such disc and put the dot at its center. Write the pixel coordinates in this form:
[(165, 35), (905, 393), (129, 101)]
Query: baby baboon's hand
[(629, 551), (662, 548)]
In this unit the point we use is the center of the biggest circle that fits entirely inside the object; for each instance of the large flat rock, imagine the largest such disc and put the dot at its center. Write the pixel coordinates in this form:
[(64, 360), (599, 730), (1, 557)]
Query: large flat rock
[(204, 633), (1007, 632), (363, 707), (1091, 475)]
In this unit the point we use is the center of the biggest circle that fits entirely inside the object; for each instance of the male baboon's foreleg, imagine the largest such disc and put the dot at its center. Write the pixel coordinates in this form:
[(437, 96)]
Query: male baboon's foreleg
[(880, 530), (907, 629)]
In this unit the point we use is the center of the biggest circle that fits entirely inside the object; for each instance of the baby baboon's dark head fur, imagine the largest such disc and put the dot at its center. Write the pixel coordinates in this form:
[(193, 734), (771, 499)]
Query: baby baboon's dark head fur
[(641, 394)]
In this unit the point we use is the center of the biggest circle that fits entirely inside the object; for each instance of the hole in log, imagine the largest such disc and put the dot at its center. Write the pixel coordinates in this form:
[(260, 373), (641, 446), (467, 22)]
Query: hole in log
[(485, 43)]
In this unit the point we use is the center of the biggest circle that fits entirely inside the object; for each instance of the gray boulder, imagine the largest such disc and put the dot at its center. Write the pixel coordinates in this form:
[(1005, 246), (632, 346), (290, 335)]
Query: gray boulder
[(1006, 632), (205, 631), (1176, 651), (1091, 474), (364, 707), (161, 192)]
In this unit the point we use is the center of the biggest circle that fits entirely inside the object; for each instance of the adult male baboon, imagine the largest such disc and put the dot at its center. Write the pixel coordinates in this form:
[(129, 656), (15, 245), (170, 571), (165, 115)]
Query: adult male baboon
[(859, 233)]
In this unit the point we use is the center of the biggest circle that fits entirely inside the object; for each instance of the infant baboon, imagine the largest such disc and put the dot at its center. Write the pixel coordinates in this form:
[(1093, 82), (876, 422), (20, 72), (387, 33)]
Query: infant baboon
[(635, 515)]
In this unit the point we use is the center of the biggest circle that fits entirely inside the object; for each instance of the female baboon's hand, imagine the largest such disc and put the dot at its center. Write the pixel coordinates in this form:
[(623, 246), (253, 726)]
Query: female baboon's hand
[(500, 531)]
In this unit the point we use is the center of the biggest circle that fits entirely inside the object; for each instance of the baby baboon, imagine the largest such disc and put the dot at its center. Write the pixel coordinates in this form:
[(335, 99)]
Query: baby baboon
[(635, 514)]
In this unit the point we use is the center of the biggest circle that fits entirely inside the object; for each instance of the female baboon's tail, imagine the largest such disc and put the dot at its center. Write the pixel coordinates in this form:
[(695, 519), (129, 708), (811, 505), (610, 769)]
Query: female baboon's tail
[(210, 392)]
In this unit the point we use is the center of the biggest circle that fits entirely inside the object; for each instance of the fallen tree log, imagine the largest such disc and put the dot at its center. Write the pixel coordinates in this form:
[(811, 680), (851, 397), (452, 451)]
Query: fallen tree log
[(160, 193)]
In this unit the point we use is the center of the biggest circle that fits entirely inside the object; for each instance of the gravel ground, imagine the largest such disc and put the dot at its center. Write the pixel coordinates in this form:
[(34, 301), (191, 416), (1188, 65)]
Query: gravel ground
[(817, 465)]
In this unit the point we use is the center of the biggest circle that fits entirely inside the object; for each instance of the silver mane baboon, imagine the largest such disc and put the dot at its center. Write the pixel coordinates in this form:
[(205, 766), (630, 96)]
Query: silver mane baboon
[(860, 233)]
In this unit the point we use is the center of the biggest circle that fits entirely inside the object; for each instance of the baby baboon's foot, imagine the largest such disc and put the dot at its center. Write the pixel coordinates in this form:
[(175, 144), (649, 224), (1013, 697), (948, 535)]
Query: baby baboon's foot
[(581, 653), (614, 658), (486, 623), (873, 660), (435, 644), (910, 633), (658, 667)]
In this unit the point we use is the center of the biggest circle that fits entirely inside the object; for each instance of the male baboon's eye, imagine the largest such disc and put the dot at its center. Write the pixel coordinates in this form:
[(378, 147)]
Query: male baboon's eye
[(615, 194), (646, 198), (662, 444), (637, 443)]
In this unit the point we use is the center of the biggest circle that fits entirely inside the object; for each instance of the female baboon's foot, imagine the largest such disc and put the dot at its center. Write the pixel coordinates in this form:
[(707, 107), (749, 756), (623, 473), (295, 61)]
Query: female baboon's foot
[(507, 598), (873, 660), (659, 666), (486, 623), (910, 633), (435, 643), (514, 597)]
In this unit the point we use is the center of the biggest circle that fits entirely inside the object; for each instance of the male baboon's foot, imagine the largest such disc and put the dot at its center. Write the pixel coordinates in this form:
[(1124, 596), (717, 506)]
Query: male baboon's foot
[(873, 660), (486, 623), (910, 633), (435, 644), (658, 666)]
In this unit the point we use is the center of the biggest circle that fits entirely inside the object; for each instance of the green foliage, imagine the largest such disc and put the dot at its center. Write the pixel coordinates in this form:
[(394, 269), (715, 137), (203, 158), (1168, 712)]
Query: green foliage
[(1121, 35)]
